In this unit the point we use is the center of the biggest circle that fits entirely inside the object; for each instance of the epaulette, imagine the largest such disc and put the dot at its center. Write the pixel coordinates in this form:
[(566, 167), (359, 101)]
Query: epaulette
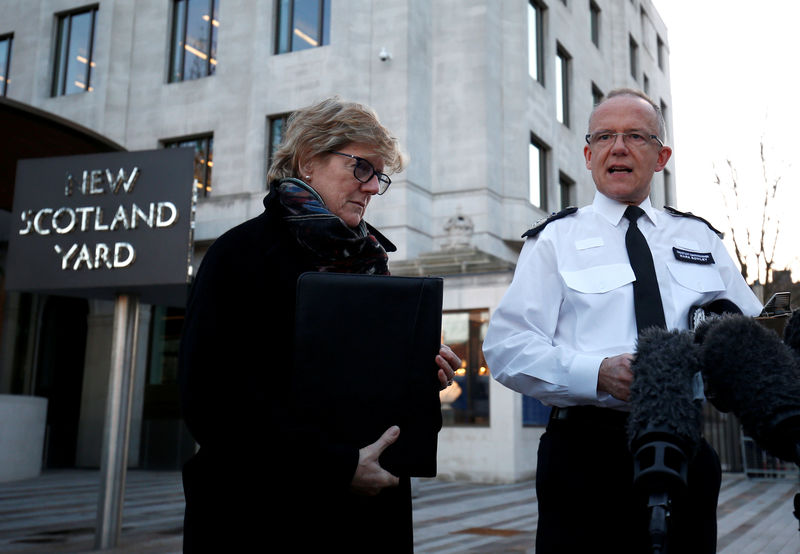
[(673, 212), (542, 223)]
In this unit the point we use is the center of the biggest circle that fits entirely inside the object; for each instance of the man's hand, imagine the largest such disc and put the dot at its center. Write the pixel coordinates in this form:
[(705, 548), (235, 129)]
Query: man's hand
[(615, 376), (448, 363), (370, 478)]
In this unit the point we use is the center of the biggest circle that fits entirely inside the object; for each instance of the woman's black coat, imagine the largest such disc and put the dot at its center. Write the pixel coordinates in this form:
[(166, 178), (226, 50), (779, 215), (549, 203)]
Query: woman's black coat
[(263, 475)]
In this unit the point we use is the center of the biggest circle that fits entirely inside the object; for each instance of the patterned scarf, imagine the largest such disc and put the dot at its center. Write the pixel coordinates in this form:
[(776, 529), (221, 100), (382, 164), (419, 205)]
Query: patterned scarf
[(330, 244)]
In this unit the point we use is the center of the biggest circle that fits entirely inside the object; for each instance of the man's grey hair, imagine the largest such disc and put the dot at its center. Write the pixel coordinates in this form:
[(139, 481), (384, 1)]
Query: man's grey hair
[(637, 94)]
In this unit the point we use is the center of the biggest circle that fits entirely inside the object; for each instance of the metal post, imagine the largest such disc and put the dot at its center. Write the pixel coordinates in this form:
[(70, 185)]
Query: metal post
[(117, 425)]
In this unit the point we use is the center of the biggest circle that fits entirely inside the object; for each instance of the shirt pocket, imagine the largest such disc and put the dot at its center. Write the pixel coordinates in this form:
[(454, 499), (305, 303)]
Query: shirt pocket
[(696, 277), (599, 279)]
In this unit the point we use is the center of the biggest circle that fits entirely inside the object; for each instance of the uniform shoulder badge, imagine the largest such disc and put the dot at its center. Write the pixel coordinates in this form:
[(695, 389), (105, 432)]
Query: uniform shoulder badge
[(673, 212), (542, 223)]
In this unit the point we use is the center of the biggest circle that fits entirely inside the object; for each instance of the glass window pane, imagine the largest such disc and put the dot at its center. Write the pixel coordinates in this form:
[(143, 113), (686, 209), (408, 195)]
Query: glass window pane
[(306, 29), (196, 46), (533, 42), (560, 115), (212, 61), (79, 51), (5, 62), (326, 22), (467, 400), (178, 27), (535, 168), (203, 160), (284, 13)]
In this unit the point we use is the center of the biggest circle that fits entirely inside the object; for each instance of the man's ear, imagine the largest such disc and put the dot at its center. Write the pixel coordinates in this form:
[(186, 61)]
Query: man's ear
[(663, 157), (587, 153)]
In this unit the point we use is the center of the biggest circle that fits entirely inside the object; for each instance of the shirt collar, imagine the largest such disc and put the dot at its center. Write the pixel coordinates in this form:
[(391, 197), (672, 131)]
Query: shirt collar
[(613, 211)]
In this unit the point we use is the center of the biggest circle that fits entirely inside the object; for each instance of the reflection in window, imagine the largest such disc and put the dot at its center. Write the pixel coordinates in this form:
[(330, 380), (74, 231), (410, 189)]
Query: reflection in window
[(276, 124), (467, 400), (537, 162), (5, 62), (302, 24), (203, 159), (195, 24), (165, 335), (536, 40), (74, 60), (562, 85), (567, 186), (534, 412), (597, 95), (633, 49), (594, 11)]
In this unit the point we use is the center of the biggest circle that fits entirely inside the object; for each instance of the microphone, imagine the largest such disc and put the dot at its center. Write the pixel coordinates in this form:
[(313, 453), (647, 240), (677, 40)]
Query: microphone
[(791, 333), (664, 426), (756, 376)]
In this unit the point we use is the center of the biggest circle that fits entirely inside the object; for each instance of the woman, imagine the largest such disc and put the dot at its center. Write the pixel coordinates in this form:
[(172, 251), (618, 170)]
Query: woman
[(259, 477)]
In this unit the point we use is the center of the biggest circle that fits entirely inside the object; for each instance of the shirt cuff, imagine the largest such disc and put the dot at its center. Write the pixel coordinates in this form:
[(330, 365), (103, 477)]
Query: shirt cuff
[(583, 376)]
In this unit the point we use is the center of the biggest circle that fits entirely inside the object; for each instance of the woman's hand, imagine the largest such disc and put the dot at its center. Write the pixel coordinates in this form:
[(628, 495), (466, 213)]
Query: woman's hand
[(370, 478), (448, 363)]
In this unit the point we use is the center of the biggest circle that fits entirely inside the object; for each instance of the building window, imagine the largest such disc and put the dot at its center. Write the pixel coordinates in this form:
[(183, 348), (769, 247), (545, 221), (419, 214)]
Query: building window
[(276, 124), (663, 107), (203, 159), (567, 187), (195, 25), (74, 59), (645, 83), (467, 400), (537, 153), (534, 413), (633, 48), (594, 16), (597, 95), (302, 24), (660, 52), (668, 199), (562, 84), (5, 62), (536, 40)]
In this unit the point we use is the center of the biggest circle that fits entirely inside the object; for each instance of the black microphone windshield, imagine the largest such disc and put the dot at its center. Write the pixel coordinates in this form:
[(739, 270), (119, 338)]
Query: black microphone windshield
[(755, 375), (662, 393)]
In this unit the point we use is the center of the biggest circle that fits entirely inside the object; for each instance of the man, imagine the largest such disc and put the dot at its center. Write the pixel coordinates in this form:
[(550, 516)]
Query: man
[(566, 330)]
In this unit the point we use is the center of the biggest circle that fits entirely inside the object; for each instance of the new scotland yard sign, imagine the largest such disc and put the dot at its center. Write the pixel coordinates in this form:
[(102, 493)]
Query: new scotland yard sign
[(99, 225)]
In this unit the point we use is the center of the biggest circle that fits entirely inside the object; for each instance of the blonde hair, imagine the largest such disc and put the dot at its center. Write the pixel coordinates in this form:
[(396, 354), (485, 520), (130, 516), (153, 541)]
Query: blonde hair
[(330, 125)]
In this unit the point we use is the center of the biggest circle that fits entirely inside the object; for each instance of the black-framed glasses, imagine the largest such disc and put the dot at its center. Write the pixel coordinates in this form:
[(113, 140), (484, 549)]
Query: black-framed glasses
[(633, 139), (363, 171)]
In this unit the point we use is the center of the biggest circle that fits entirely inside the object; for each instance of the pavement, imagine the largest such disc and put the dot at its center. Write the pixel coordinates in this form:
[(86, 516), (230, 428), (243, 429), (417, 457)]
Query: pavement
[(56, 512)]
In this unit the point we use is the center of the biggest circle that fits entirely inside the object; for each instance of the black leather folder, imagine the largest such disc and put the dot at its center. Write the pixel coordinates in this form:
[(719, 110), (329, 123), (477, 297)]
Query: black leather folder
[(365, 348)]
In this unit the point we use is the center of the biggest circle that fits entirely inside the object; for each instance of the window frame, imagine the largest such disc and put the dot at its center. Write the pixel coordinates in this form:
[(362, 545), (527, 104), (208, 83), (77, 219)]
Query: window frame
[(178, 48), (633, 50), (61, 54), (594, 22), (563, 70), (285, 26), (543, 161), (473, 368), (539, 40), (204, 188)]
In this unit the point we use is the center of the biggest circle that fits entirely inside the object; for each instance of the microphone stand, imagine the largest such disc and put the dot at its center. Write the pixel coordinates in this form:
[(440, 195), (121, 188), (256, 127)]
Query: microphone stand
[(661, 467)]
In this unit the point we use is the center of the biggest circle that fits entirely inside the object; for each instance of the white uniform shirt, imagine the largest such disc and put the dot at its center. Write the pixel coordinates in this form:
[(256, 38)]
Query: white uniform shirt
[(570, 303)]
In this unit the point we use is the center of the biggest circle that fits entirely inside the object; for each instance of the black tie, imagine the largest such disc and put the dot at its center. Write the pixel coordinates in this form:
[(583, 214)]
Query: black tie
[(646, 296)]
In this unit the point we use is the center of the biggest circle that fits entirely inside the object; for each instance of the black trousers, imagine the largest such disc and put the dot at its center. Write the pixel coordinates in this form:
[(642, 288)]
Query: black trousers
[(587, 503)]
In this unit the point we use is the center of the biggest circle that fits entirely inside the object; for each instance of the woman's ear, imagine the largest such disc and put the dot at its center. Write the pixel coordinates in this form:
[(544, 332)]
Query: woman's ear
[(306, 167)]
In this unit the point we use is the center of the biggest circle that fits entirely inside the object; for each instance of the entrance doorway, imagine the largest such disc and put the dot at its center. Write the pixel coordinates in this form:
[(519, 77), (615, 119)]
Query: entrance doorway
[(59, 375)]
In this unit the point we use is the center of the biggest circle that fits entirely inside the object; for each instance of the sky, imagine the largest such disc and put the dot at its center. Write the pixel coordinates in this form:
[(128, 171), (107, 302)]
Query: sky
[(735, 78)]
